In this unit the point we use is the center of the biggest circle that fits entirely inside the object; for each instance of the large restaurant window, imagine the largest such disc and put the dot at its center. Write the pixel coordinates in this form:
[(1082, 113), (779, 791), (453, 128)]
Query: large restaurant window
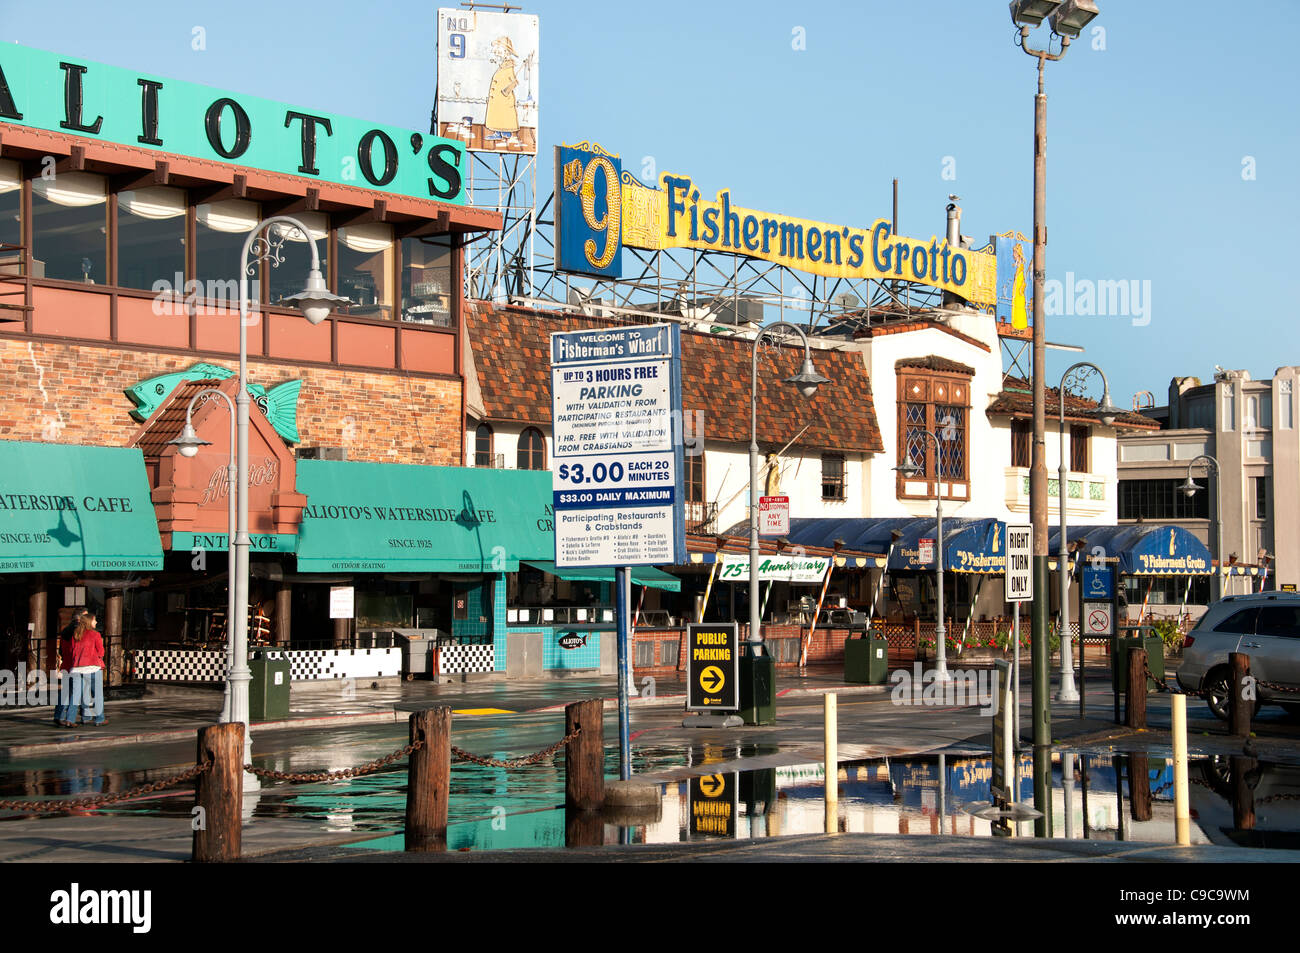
[(426, 280), (1021, 432), (1162, 500), (70, 227), (483, 446), (289, 277), (532, 450), (365, 268), (11, 206), (1165, 591), (150, 237), (220, 231)]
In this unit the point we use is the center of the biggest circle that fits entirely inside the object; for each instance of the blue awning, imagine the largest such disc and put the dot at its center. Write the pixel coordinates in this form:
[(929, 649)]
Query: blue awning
[(1142, 549), (970, 545)]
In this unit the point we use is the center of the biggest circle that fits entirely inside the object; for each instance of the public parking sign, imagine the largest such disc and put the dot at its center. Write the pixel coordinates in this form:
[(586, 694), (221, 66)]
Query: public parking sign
[(714, 804), (616, 404), (1019, 578), (713, 667), (774, 516)]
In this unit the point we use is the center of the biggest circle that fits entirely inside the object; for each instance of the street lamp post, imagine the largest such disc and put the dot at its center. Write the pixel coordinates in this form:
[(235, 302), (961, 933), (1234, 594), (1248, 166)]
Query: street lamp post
[(188, 442), (807, 380), (265, 243), (909, 469), (1190, 489), (1067, 20), (1107, 412)]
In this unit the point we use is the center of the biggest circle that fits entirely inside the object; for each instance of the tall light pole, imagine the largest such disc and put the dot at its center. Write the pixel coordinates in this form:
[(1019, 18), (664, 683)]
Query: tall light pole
[(909, 469), (1067, 20), (1107, 412), (1190, 489), (265, 243), (188, 442), (807, 380)]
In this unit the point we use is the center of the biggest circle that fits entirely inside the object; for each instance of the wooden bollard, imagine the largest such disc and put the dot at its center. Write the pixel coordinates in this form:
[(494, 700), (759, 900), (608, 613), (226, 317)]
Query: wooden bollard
[(428, 784), (1243, 798), (584, 756), (1240, 709), (220, 794), (1139, 787), (1137, 689)]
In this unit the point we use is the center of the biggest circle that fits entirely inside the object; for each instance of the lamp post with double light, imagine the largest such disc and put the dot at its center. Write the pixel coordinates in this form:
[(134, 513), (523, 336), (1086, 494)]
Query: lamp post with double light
[(188, 443), (265, 243), (908, 468), (1190, 489), (807, 381), (1067, 20), (1106, 412)]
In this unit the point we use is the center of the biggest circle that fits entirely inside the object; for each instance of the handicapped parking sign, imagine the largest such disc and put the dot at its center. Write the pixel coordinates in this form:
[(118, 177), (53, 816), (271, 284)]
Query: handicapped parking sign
[(1098, 584)]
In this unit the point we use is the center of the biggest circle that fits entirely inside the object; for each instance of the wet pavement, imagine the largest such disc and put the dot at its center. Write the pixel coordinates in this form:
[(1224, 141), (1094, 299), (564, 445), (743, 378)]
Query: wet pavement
[(893, 783)]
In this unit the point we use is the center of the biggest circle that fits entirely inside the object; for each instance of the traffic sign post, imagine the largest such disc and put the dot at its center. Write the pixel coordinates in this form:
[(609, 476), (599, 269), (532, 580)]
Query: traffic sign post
[(713, 675), (774, 516), (925, 551), (1098, 613), (1018, 582), (617, 464)]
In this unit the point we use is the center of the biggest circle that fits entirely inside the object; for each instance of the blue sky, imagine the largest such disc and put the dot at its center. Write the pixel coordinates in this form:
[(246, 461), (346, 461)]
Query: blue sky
[(1148, 136)]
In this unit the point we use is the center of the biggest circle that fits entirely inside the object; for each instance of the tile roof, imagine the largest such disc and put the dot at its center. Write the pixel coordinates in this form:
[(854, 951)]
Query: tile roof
[(168, 420), (511, 352), (935, 363), (1016, 400)]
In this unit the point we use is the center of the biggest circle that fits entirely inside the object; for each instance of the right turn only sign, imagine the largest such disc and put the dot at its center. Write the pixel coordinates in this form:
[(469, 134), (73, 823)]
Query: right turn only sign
[(712, 667)]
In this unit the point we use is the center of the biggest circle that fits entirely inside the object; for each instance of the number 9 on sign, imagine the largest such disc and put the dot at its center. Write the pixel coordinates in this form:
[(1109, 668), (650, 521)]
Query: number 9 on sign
[(607, 223)]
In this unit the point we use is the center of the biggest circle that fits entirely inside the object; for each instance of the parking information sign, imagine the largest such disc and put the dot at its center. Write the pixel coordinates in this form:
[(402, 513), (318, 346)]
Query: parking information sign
[(616, 403), (714, 803), (1020, 566), (713, 666)]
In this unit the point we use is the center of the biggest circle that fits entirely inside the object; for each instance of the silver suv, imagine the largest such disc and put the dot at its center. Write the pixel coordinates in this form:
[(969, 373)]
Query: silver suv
[(1263, 625)]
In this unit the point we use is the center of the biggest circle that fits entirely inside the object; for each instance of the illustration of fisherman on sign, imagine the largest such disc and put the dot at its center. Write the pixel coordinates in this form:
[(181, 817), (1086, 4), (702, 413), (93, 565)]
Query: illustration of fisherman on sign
[(487, 80), (502, 119)]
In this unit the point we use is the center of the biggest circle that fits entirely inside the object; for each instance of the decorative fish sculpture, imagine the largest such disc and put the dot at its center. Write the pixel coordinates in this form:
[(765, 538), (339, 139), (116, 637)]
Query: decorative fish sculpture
[(279, 405)]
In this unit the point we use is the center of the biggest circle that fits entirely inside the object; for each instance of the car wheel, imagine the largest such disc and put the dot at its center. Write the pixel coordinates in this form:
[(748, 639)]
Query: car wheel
[(1217, 688)]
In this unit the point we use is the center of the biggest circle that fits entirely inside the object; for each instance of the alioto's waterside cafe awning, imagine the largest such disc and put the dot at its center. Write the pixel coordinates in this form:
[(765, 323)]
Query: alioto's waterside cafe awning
[(68, 507)]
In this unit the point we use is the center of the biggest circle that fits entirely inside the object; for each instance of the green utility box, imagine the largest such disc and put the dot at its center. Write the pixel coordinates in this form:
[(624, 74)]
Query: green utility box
[(268, 692), (758, 690), (1155, 649), (866, 661)]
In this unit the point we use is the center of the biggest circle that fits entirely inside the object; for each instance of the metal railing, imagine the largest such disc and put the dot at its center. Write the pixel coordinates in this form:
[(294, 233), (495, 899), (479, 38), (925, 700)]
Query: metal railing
[(702, 518)]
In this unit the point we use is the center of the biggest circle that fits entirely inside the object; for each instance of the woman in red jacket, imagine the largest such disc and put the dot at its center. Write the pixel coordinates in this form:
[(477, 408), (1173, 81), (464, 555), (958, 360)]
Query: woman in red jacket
[(87, 672)]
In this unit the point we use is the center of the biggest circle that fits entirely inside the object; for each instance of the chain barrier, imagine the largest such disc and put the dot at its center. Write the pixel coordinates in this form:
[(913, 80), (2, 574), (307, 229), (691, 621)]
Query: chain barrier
[(368, 768), (463, 755), (1274, 686), (87, 803)]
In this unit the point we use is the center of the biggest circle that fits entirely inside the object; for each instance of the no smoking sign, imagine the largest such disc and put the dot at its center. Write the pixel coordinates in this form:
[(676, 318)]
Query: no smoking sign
[(1098, 618)]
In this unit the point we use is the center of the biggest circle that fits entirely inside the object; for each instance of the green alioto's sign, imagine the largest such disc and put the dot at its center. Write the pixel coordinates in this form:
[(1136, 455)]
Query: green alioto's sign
[(80, 97), (66, 507), (395, 517)]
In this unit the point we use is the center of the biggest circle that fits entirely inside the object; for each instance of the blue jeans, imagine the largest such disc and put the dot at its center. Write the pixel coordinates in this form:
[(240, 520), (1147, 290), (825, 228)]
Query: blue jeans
[(67, 694), (92, 700)]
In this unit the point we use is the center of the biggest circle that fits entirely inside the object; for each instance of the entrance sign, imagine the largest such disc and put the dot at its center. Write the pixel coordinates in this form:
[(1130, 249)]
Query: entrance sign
[(616, 403), (774, 516), (1019, 578), (713, 667), (342, 602), (714, 804), (809, 570)]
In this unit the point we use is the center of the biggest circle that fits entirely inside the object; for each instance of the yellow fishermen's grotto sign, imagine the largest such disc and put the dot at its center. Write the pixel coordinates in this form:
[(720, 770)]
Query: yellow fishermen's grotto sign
[(600, 208)]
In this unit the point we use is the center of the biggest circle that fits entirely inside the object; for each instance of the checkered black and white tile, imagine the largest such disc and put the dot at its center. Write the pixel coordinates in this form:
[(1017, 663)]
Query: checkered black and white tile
[(457, 659), (180, 665)]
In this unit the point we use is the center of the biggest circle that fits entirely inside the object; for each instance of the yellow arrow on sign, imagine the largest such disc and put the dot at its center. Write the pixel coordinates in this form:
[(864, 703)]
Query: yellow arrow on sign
[(713, 785), (712, 679)]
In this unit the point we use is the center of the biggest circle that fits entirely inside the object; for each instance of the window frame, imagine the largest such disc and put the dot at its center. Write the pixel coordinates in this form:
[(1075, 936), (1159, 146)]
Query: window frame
[(1022, 439), (841, 483), (1080, 449), (481, 426), (539, 452), (933, 390)]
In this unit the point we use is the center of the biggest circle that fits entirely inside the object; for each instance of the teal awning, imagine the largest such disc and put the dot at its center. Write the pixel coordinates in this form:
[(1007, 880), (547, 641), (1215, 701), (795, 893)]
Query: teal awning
[(641, 575), (69, 507), (396, 517)]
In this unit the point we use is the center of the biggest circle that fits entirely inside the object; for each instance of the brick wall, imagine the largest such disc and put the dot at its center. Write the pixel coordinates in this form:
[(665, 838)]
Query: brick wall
[(72, 393)]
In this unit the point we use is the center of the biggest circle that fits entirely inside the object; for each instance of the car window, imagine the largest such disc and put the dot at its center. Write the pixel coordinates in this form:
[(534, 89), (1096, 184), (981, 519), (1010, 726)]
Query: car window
[(1243, 621), (1281, 621)]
